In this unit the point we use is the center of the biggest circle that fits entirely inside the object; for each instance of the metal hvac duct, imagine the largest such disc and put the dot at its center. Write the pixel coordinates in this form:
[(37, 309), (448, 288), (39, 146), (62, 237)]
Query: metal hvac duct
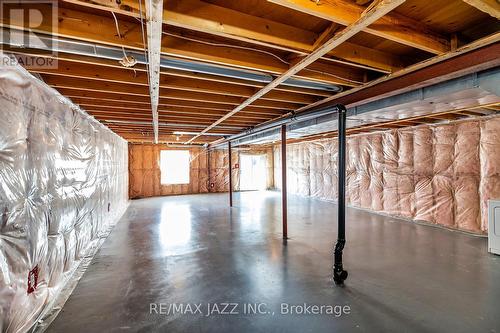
[(66, 45)]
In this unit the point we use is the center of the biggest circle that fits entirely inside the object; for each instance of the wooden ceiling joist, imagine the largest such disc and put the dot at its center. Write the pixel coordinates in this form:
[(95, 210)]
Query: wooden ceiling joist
[(393, 26), (132, 112), (130, 77), (101, 29), (281, 39), (204, 17), (365, 19), (491, 7), (185, 106), (133, 90), (171, 109), (165, 118), (100, 64), (174, 112)]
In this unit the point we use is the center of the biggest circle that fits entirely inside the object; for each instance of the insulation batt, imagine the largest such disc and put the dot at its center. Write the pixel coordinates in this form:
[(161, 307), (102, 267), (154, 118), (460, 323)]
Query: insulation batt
[(63, 185), (442, 174), (489, 155)]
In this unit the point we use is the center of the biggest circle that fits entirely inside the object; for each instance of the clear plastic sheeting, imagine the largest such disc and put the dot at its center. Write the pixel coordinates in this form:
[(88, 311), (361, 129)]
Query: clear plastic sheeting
[(442, 174), (63, 184), (208, 170)]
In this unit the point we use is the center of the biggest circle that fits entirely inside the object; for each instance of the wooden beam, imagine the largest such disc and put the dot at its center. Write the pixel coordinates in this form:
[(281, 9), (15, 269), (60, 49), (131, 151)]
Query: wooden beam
[(394, 26), (250, 61), (147, 138), (476, 56), (167, 118), (138, 90), (326, 35), (123, 75), (174, 97), (138, 69), (171, 119), (365, 19), (209, 18), (171, 109), (101, 29), (174, 105), (491, 7), (173, 112), (204, 17)]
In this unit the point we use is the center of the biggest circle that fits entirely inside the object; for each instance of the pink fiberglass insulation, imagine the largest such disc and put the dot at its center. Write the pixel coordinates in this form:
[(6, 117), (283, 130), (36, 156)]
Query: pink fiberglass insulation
[(364, 172), (352, 176), (444, 149), (467, 206), (442, 174), (489, 189), (390, 176), (466, 162), (442, 181), (406, 186), (377, 174), (422, 151), (443, 208), (490, 147), (423, 171), (466, 169), (489, 153)]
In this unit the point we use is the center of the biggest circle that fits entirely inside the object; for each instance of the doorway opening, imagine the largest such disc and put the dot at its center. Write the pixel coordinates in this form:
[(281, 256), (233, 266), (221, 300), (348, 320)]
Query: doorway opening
[(253, 173)]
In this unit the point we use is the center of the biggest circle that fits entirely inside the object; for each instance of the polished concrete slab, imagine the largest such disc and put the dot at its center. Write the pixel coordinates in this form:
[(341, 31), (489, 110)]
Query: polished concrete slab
[(193, 249)]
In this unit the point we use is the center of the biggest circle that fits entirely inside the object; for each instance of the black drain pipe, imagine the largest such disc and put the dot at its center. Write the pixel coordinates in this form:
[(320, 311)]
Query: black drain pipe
[(339, 274)]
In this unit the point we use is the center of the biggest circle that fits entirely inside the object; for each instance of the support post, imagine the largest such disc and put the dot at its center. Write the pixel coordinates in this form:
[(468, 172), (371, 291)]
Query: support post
[(284, 208), (230, 176), (339, 274)]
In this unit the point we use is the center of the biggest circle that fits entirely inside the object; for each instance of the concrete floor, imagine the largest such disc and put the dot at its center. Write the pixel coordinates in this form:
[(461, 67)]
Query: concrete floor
[(403, 277)]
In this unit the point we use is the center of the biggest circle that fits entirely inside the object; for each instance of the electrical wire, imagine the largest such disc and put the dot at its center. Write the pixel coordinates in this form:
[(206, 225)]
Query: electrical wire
[(256, 50), (260, 51), (143, 38), (127, 61), (227, 45)]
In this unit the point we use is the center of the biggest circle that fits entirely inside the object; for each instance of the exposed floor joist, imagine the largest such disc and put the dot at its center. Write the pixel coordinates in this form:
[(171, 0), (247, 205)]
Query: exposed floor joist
[(73, 64), (204, 17), (491, 7), (365, 19), (117, 75), (269, 38), (99, 29), (394, 26)]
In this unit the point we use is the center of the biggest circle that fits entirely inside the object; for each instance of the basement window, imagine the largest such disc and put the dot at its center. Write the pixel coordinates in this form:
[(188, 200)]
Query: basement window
[(174, 167)]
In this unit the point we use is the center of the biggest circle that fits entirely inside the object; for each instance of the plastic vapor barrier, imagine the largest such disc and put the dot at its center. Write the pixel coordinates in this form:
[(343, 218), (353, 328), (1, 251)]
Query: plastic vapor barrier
[(442, 174), (208, 170), (63, 184)]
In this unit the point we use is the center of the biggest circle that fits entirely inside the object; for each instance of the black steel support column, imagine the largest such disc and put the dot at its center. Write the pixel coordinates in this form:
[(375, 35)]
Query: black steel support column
[(283, 182), (230, 176), (339, 274)]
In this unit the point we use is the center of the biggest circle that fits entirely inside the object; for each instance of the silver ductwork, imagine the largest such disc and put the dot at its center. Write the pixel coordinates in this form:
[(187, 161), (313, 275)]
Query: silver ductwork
[(469, 91), (66, 45)]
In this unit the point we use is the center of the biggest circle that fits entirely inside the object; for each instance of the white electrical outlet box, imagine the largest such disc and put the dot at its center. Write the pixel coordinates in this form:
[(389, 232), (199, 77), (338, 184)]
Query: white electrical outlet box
[(494, 226)]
